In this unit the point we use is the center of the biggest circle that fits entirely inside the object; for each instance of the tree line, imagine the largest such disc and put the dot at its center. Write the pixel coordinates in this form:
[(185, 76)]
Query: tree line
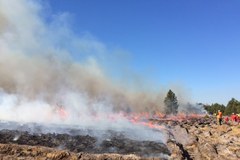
[(171, 105), (233, 106)]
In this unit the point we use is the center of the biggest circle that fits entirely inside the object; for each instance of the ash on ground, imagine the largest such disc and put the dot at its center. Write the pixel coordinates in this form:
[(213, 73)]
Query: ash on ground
[(80, 140), (190, 139)]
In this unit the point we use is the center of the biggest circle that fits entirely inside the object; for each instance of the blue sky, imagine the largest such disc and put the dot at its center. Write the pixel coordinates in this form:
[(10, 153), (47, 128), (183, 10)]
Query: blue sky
[(195, 44)]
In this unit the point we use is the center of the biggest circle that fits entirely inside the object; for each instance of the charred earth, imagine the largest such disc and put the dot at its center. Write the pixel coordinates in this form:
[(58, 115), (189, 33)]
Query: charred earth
[(195, 138), (78, 143)]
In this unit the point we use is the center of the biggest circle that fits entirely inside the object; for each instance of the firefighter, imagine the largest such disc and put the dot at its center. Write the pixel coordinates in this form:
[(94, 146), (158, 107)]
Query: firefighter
[(234, 118), (219, 117), (238, 118), (226, 119)]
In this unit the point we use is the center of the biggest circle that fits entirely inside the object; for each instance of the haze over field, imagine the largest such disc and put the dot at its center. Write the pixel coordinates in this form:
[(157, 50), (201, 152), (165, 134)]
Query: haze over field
[(47, 61)]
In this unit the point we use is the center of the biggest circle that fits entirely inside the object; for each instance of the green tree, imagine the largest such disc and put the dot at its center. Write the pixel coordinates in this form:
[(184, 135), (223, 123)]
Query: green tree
[(213, 108), (233, 106), (171, 103)]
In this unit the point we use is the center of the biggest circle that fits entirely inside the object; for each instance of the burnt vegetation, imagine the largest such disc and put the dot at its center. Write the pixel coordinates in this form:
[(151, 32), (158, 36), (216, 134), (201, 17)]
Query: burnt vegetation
[(82, 141)]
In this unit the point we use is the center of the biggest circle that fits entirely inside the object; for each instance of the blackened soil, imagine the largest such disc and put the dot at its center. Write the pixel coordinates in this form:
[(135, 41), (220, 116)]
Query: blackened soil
[(82, 142)]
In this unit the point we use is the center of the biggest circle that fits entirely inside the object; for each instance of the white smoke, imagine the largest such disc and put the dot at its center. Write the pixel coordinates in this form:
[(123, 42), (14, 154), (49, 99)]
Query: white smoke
[(39, 76), (36, 61)]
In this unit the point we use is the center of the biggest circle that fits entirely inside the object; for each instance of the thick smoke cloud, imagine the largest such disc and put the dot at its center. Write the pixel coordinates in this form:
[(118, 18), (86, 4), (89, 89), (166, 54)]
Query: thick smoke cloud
[(36, 61), (39, 74), (39, 71)]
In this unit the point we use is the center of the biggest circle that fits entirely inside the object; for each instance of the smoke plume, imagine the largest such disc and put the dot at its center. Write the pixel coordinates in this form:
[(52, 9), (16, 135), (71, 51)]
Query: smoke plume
[(37, 64), (39, 71)]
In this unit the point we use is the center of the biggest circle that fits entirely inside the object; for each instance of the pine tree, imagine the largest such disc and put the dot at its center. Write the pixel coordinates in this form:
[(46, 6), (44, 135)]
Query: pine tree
[(171, 103), (233, 106)]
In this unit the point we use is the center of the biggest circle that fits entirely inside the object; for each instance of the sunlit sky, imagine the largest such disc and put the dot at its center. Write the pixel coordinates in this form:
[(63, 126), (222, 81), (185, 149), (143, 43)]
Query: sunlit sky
[(194, 44)]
